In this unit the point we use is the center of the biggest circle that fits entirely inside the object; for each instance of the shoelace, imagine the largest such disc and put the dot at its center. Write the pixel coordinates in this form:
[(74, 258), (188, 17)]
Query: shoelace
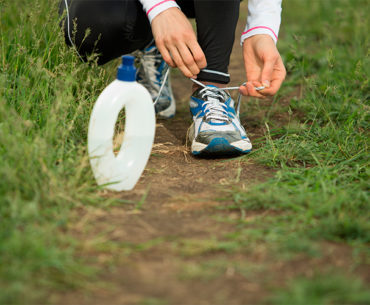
[(214, 109), (220, 104), (213, 89), (148, 64)]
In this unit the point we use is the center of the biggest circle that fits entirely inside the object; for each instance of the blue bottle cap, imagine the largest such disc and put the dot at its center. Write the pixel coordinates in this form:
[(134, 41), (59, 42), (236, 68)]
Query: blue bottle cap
[(127, 71)]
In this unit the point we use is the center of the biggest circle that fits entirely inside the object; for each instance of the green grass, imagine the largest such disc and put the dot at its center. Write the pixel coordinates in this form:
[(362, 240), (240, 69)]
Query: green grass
[(320, 192), (322, 161), (323, 290), (45, 99)]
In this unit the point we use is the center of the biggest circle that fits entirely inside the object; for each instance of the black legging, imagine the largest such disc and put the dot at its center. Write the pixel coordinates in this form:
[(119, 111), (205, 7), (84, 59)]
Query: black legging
[(117, 27)]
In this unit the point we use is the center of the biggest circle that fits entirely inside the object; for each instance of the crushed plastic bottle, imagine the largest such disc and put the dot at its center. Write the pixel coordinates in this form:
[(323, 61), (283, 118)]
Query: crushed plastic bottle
[(123, 171)]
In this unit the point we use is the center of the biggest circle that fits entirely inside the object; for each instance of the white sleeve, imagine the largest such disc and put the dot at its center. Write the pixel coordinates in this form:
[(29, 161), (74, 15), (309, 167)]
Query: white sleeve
[(155, 7), (264, 17)]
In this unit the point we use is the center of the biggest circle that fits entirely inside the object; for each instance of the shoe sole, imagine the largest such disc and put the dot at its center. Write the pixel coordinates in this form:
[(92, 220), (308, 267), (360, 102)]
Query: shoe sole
[(220, 147)]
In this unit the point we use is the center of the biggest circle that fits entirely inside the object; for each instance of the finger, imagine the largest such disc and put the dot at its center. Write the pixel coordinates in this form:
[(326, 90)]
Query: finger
[(188, 59), (198, 54), (252, 90), (274, 87), (267, 71), (278, 78), (243, 90), (256, 84), (165, 54), (179, 63)]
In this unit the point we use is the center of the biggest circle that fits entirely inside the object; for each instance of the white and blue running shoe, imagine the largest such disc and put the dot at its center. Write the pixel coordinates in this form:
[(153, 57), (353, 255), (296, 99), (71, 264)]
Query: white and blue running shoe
[(216, 129), (151, 74)]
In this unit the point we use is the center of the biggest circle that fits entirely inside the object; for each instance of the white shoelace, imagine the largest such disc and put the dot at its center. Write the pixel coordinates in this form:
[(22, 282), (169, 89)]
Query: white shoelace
[(214, 103), (213, 108), (148, 63), (217, 109)]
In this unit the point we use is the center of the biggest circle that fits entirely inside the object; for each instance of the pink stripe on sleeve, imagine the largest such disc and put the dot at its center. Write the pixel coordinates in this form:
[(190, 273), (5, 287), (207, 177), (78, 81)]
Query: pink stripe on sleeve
[(261, 27), (149, 10)]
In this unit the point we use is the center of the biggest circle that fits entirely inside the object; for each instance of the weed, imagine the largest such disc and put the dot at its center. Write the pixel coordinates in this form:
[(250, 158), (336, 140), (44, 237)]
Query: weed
[(323, 289), (45, 99), (322, 162)]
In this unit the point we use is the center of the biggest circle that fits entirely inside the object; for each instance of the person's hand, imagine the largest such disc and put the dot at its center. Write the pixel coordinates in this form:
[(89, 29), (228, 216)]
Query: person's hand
[(263, 65), (177, 42)]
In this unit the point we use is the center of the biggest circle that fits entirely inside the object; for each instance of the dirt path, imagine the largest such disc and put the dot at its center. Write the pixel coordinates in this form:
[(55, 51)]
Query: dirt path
[(152, 252)]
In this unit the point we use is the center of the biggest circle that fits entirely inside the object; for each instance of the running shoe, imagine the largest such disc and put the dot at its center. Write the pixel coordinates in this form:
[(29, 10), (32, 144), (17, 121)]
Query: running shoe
[(151, 73), (216, 128)]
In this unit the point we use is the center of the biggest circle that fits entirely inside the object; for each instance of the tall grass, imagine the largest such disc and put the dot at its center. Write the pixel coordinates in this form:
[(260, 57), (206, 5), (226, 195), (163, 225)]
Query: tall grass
[(46, 96), (323, 159), (321, 188)]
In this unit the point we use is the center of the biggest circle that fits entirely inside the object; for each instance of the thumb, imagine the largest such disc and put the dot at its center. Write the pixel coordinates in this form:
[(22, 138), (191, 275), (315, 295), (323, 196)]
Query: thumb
[(268, 68)]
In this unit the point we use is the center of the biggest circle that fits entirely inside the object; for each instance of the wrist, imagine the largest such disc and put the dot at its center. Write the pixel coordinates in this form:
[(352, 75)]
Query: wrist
[(259, 31), (258, 37), (160, 7)]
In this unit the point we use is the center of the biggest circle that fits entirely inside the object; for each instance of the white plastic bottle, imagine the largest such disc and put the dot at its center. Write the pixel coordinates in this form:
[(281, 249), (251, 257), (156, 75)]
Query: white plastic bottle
[(121, 172)]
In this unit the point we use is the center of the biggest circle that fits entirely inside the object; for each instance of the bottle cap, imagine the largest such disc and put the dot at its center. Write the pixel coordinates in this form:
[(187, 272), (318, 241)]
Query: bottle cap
[(127, 71)]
